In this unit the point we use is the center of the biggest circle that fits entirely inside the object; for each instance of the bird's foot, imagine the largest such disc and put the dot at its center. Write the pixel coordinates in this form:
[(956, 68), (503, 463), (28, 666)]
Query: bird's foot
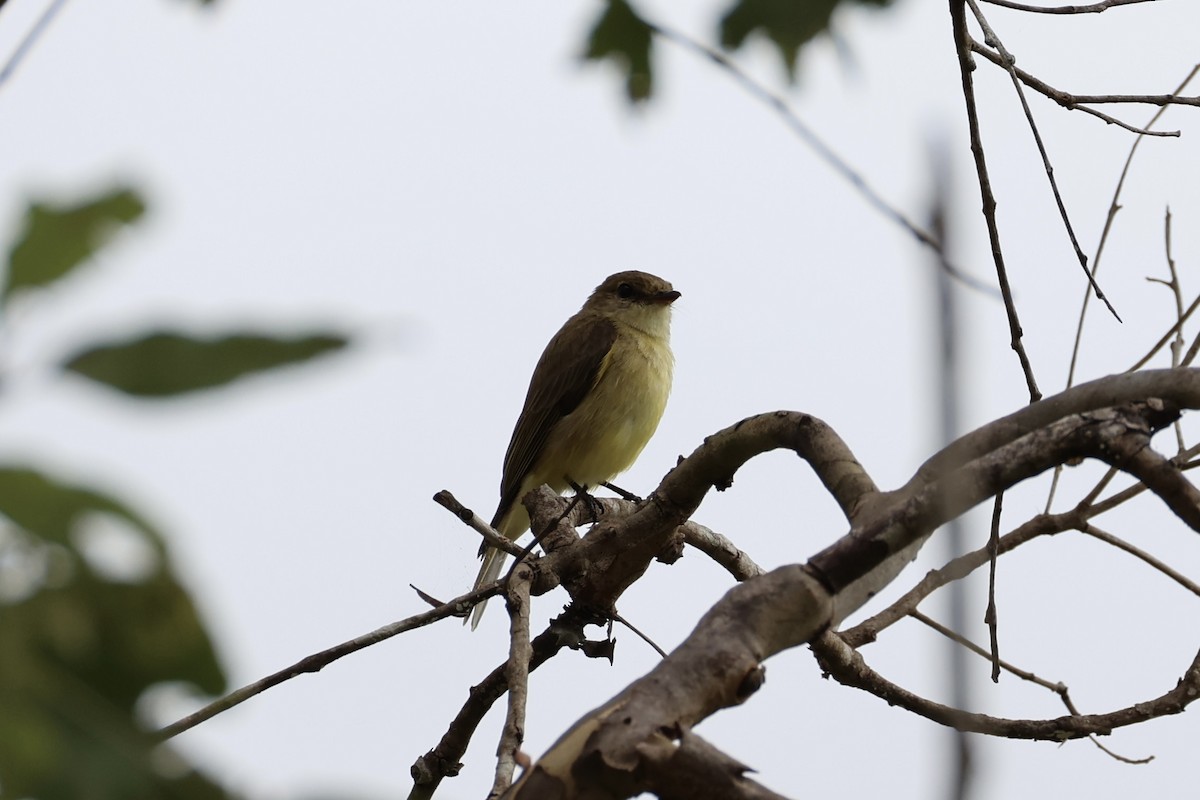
[(594, 506)]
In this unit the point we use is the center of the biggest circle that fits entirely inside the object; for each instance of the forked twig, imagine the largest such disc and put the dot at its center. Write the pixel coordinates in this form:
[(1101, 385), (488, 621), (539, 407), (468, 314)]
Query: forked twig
[(1074, 102), (1113, 207), (1008, 62)]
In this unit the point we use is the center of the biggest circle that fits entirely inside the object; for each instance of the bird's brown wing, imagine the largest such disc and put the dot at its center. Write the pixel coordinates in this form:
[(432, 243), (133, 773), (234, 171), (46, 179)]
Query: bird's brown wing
[(578, 352)]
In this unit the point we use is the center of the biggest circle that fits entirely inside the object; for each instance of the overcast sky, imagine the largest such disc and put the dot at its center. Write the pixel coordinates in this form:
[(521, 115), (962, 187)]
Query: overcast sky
[(448, 182)]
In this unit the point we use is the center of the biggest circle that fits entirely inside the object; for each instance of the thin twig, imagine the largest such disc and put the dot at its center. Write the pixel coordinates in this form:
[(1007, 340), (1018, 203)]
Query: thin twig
[(1113, 207), (1075, 102), (990, 617), (823, 150), (476, 523), (1100, 486), (1166, 337), (642, 636), (1177, 342), (1190, 355), (318, 661), (1140, 99), (1024, 675), (992, 40), (31, 37), (1042, 525), (1058, 688), (443, 760), (1092, 8), (1121, 544), (849, 668), (962, 41)]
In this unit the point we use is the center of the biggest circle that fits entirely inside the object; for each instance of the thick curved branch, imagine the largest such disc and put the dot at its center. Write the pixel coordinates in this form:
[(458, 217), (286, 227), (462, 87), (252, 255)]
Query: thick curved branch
[(598, 569), (718, 665), (1180, 387), (861, 563)]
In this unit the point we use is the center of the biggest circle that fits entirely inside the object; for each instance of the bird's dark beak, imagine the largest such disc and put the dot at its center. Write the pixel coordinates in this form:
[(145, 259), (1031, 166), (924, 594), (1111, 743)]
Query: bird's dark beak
[(664, 298)]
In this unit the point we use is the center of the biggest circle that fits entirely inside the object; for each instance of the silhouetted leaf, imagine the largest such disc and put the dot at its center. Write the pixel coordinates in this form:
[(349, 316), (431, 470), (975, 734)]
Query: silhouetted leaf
[(58, 238), (78, 650), (790, 24), (163, 363), (625, 38)]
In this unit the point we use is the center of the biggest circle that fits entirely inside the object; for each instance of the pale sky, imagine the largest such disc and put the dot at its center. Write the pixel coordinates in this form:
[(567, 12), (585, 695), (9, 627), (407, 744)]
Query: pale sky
[(447, 181)]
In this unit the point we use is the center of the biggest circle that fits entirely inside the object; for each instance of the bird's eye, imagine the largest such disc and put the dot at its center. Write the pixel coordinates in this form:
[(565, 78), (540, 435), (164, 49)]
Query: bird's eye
[(625, 291)]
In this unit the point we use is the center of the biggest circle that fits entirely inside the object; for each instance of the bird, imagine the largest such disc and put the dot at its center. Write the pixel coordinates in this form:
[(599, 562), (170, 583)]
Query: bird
[(596, 397)]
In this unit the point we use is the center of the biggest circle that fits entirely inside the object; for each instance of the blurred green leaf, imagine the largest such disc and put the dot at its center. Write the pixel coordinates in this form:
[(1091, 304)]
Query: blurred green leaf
[(162, 364), (625, 38), (51, 510), (58, 238), (790, 24), (77, 651)]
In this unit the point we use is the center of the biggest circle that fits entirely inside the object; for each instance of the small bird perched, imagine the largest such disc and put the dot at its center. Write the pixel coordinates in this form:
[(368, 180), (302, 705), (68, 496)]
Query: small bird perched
[(595, 399)]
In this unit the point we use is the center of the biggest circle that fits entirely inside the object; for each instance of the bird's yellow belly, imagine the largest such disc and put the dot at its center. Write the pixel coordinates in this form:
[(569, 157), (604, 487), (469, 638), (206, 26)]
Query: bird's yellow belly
[(605, 434)]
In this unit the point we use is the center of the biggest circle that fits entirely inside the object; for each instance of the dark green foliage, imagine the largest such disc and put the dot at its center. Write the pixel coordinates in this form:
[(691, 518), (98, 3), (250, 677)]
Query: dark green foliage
[(56, 239), (162, 364), (625, 38), (78, 649), (789, 24)]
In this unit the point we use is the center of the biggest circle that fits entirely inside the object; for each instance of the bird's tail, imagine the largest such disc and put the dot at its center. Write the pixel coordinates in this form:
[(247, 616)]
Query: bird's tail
[(493, 562)]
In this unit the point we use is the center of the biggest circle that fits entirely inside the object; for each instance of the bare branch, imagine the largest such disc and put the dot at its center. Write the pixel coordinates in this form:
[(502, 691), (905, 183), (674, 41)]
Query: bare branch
[(1165, 569), (849, 668), (31, 37), (443, 760), (318, 661), (721, 550), (1091, 8), (714, 545), (823, 150), (869, 629), (992, 40), (962, 44), (1075, 102), (690, 768), (472, 520), (991, 617), (517, 676), (1179, 387), (1058, 688), (719, 664), (1166, 337), (1095, 509)]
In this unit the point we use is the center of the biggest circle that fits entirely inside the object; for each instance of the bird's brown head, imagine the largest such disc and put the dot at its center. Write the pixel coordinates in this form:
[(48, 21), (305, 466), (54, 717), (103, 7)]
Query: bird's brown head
[(631, 289), (637, 299)]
